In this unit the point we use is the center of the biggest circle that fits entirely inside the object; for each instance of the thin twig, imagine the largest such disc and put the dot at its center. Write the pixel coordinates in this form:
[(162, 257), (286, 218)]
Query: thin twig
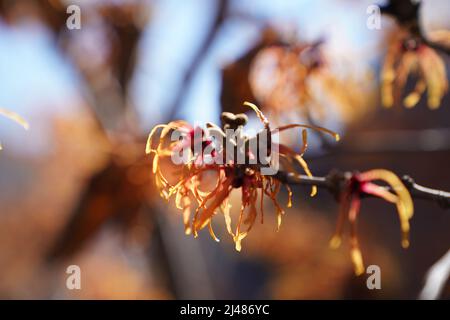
[(203, 50), (336, 181), (436, 46)]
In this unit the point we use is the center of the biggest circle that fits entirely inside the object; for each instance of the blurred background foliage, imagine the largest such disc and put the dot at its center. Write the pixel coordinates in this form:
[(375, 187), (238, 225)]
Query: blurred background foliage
[(77, 188)]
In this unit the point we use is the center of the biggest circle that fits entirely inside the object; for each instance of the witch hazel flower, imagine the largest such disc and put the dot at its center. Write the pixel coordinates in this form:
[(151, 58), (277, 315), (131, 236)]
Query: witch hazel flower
[(362, 185), (408, 55), (241, 163)]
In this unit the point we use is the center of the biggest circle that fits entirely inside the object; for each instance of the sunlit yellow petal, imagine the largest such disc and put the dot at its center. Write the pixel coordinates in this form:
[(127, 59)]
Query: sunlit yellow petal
[(308, 173), (357, 261), (148, 146), (405, 206), (335, 241), (15, 117), (211, 232), (321, 129), (258, 112)]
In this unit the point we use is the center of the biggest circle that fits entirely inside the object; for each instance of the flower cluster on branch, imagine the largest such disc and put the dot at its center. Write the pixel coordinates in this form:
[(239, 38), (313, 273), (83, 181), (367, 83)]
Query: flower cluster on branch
[(230, 174), (254, 185), (408, 55)]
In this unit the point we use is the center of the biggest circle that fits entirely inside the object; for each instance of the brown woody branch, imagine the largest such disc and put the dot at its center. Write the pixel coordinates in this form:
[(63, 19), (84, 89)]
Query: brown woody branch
[(336, 182), (436, 46)]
